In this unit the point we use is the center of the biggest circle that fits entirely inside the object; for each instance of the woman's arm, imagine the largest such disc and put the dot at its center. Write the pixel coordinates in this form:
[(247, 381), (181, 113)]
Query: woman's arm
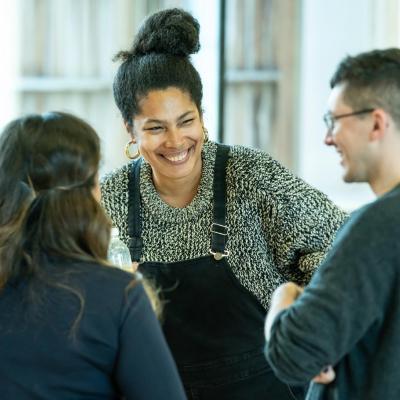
[(300, 222)]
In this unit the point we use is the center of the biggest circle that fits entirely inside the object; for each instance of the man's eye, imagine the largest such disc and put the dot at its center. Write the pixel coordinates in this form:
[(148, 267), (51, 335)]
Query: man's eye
[(187, 121)]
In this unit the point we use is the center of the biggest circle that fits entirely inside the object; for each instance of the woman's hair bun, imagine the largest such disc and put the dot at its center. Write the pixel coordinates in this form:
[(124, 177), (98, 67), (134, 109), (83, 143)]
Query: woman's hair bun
[(172, 31)]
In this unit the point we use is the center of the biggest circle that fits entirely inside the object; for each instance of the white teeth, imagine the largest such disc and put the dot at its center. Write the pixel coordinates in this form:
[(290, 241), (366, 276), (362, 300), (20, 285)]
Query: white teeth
[(177, 157)]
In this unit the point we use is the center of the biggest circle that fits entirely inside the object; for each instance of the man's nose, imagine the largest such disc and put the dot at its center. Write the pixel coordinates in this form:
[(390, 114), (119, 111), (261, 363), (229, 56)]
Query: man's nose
[(329, 139)]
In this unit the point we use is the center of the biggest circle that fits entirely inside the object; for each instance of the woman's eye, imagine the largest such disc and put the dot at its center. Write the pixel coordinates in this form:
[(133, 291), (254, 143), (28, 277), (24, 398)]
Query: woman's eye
[(187, 121), (154, 128)]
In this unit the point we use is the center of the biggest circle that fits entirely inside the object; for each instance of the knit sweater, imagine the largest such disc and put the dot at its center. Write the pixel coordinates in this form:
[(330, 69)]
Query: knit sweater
[(279, 227)]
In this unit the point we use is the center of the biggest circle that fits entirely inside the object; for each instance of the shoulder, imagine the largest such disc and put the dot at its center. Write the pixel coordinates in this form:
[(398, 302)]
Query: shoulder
[(99, 273), (249, 160), (385, 208), (106, 281), (257, 171), (370, 235), (114, 188), (259, 168), (119, 292), (115, 179), (377, 220)]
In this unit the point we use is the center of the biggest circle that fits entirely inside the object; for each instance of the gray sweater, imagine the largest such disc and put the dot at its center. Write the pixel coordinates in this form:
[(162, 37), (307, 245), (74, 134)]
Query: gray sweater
[(349, 315), (279, 227)]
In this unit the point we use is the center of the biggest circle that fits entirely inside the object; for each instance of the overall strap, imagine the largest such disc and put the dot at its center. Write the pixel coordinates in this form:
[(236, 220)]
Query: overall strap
[(134, 211), (219, 231)]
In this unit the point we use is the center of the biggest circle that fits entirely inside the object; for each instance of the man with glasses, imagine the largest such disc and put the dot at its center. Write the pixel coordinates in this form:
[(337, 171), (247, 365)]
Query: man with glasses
[(348, 317)]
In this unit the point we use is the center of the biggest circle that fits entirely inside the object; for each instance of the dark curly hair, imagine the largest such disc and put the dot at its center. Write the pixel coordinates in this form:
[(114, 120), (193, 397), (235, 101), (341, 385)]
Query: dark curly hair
[(372, 80), (159, 58)]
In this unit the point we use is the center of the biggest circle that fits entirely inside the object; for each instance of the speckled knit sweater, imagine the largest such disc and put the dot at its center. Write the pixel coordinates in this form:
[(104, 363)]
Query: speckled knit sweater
[(279, 227)]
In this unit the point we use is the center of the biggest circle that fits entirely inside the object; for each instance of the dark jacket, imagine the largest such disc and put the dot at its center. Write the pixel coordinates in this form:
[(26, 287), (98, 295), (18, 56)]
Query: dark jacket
[(349, 315)]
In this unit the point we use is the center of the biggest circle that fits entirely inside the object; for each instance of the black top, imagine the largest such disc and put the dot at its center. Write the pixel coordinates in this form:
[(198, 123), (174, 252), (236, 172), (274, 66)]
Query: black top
[(117, 349), (349, 316)]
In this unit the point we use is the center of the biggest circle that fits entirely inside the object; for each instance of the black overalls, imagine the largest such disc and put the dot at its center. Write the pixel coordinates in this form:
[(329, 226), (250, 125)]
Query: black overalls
[(213, 325)]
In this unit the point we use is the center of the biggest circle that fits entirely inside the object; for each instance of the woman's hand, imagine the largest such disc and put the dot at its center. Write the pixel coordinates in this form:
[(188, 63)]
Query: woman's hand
[(287, 293), (283, 297)]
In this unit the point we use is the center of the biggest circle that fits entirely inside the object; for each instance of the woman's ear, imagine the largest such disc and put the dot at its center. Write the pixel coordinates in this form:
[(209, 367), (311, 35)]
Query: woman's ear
[(128, 126), (129, 129)]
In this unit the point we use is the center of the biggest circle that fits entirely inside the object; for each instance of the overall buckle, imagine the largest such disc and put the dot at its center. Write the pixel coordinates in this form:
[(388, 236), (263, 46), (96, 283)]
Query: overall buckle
[(221, 230)]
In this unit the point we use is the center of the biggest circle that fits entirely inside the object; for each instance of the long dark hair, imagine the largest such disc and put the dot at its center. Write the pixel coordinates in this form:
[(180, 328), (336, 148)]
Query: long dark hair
[(48, 169)]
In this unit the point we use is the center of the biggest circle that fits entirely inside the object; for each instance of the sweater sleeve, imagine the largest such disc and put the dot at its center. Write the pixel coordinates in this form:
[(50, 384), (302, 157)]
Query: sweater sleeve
[(300, 222), (114, 189), (345, 298), (115, 197), (145, 368)]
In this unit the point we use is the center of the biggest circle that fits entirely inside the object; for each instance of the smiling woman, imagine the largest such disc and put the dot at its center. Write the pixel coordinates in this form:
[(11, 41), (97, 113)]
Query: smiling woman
[(169, 134), (217, 228)]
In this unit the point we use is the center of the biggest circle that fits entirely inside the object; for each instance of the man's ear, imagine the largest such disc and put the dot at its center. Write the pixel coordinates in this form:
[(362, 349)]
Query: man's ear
[(381, 124)]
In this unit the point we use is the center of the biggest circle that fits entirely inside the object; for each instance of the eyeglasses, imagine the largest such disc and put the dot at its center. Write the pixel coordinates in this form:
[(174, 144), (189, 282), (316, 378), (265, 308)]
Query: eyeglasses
[(330, 119)]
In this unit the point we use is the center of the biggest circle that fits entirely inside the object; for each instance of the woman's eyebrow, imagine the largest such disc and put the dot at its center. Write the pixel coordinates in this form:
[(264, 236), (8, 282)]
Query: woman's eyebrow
[(185, 115)]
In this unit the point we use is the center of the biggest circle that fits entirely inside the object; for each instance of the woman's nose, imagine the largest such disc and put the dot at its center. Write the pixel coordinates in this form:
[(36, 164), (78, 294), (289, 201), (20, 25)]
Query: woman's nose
[(174, 137)]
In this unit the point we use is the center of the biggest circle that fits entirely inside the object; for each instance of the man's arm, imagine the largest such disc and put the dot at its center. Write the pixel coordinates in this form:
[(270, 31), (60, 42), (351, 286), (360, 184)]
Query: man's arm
[(283, 297), (345, 297)]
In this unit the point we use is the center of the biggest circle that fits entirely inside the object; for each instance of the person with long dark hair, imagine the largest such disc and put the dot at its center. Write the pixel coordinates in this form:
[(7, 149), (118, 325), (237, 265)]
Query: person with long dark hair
[(71, 325), (216, 227)]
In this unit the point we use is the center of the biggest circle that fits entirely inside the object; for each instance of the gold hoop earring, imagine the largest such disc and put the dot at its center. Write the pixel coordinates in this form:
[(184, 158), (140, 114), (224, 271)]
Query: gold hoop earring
[(205, 135), (128, 153)]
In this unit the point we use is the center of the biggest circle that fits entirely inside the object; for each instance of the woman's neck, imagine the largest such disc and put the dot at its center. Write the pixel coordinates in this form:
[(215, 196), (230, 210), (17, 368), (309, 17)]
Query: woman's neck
[(178, 192)]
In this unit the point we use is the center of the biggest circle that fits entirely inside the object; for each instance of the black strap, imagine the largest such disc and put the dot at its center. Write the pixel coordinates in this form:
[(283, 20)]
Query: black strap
[(219, 230), (134, 212)]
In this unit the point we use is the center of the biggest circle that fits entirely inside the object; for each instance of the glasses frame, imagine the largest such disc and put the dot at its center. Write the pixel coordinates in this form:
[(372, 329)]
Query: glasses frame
[(330, 119)]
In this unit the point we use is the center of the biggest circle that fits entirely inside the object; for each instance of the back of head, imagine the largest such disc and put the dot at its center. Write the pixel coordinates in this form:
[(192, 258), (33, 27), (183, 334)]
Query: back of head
[(48, 169), (159, 58), (372, 80)]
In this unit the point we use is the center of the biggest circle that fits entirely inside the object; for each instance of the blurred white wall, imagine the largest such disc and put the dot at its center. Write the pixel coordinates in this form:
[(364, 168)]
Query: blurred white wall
[(206, 61), (332, 29), (9, 24)]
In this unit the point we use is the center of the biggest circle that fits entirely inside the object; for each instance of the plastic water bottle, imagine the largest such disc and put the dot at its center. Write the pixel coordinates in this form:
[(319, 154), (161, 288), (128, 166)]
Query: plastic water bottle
[(118, 252)]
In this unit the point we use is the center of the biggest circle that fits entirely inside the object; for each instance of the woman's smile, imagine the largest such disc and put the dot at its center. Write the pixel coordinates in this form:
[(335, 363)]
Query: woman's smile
[(178, 158)]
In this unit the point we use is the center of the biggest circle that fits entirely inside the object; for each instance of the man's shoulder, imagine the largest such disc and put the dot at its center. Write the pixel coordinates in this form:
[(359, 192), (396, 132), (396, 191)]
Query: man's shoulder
[(386, 207), (376, 221)]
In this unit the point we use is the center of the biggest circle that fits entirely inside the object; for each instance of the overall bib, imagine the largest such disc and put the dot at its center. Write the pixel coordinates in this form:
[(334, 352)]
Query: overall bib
[(213, 325)]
